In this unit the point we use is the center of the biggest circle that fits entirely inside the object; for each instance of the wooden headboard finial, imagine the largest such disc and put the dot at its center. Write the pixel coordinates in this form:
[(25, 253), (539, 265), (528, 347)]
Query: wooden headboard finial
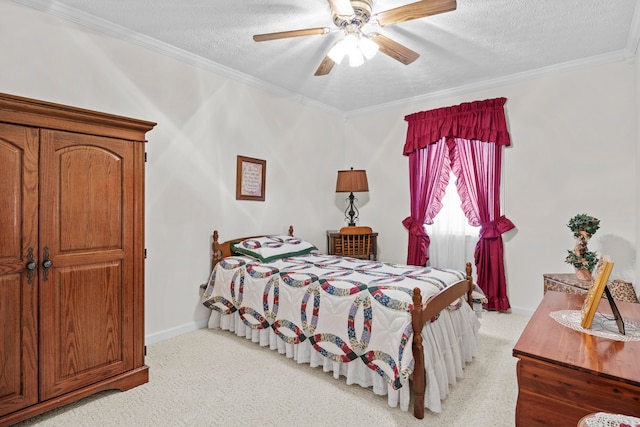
[(469, 271), (216, 253), (291, 230)]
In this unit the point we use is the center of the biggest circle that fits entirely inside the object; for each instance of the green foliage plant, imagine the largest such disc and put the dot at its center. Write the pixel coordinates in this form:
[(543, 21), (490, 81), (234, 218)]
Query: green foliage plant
[(583, 227)]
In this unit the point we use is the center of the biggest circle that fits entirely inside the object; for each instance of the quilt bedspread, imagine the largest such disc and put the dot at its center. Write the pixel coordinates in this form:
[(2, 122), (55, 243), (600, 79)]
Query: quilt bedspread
[(346, 309)]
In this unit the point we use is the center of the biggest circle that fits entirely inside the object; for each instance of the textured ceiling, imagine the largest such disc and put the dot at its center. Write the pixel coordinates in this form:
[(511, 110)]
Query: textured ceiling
[(481, 41)]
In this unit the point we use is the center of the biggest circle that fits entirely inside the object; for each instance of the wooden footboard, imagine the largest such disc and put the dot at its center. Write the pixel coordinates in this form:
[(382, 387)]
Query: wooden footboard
[(420, 315)]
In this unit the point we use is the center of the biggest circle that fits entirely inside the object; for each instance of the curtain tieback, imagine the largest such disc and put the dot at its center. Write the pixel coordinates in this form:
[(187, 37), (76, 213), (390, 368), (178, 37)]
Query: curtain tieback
[(415, 227), (493, 229)]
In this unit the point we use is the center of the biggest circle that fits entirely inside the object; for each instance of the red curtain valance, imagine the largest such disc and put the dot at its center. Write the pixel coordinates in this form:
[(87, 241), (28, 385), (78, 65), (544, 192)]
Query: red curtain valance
[(478, 120)]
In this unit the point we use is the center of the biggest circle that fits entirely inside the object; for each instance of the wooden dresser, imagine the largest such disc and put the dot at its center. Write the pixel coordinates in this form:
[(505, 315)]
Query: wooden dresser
[(71, 255), (564, 374)]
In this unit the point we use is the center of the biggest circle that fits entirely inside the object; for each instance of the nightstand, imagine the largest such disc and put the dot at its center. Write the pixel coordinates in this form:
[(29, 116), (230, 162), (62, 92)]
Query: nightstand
[(334, 248)]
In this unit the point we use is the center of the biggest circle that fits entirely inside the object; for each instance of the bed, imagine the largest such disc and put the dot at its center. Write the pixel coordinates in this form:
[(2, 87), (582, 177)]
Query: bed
[(353, 317)]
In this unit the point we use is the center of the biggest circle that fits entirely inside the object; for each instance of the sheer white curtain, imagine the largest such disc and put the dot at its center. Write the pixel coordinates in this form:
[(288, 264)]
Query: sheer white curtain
[(453, 240)]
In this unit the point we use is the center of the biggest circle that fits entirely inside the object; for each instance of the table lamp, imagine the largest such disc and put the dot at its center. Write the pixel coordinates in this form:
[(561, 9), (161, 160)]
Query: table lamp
[(350, 181)]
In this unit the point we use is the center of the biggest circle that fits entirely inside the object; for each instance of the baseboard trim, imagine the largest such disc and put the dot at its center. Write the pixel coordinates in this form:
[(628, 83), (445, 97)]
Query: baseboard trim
[(522, 310), (174, 332)]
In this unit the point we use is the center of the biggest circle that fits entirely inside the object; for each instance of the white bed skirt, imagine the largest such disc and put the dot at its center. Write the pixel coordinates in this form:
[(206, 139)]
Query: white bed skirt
[(449, 343)]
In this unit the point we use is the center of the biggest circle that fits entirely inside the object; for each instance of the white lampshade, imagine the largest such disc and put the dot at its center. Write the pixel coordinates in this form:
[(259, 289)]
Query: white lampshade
[(368, 47), (355, 58), (350, 42), (337, 52)]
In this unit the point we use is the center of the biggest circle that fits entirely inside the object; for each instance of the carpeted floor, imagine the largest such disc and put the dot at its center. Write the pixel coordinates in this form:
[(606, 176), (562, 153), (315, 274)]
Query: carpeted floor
[(214, 378)]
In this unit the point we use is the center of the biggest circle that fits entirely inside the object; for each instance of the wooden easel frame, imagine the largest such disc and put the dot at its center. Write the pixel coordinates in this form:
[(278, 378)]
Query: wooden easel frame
[(615, 311), (592, 300)]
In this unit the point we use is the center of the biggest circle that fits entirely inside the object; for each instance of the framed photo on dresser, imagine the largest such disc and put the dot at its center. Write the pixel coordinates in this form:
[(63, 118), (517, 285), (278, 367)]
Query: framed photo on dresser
[(592, 299)]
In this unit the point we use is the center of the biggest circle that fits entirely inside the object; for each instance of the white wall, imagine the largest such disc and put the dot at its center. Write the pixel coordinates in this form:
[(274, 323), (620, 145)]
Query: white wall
[(574, 150), (636, 121), (204, 122)]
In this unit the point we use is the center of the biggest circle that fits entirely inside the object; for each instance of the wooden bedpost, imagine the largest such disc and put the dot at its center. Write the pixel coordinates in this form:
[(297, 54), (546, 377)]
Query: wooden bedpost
[(216, 253), (469, 271), (419, 378), (291, 230)]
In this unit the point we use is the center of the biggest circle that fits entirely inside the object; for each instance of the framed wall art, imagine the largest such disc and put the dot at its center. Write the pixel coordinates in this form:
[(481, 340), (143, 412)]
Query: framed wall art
[(250, 178)]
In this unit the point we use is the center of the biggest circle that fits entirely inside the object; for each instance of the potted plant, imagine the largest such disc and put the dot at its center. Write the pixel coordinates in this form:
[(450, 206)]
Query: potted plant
[(583, 227)]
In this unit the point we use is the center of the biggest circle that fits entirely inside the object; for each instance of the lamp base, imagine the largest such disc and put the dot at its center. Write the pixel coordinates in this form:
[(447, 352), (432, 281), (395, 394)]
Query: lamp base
[(351, 214)]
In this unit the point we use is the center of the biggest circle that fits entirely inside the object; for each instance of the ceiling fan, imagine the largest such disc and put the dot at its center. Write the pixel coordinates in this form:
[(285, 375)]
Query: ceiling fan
[(350, 16)]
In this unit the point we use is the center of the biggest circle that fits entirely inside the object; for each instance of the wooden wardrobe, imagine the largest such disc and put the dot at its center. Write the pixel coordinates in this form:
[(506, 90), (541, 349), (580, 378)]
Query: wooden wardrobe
[(71, 255)]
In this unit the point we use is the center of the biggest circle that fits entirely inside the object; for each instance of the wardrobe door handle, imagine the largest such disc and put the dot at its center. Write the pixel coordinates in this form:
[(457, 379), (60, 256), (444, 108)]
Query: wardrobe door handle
[(46, 263), (31, 265)]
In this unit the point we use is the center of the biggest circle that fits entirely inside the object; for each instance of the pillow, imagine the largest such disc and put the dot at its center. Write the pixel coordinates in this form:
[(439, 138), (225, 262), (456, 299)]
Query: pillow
[(271, 248), (478, 296)]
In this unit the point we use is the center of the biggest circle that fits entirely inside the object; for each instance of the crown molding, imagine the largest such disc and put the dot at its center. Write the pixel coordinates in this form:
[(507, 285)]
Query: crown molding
[(54, 8), (634, 32), (109, 28), (622, 55)]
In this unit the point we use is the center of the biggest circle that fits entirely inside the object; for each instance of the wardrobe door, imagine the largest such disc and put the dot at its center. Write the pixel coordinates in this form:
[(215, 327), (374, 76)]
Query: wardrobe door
[(86, 241), (18, 273)]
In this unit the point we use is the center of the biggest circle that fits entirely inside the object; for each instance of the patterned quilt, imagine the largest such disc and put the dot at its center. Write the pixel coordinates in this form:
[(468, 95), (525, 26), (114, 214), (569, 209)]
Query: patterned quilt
[(348, 309)]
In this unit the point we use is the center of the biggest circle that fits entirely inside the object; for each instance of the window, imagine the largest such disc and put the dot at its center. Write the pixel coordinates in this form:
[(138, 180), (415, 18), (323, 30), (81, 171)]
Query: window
[(453, 240)]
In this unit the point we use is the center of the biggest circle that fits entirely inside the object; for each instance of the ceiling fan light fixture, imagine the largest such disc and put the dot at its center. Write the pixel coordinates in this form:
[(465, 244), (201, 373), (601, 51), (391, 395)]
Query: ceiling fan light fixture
[(356, 58), (337, 52), (368, 47), (350, 42), (343, 47), (354, 45)]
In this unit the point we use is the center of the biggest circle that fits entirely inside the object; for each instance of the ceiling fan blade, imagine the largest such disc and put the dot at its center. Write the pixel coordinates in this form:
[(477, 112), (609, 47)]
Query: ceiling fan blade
[(415, 10), (293, 33), (341, 7), (325, 66), (394, 49)]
